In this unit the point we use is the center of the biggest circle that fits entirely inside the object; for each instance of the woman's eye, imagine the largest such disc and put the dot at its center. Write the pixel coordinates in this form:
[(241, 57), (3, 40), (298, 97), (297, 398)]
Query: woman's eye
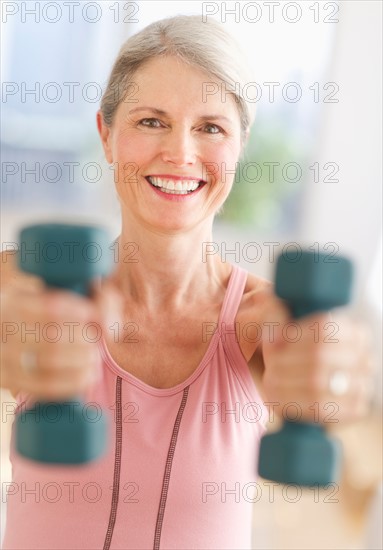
[(214, 129), (151, 122)]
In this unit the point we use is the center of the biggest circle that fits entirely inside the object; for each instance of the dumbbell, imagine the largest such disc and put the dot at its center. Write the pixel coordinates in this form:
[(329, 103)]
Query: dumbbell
[(67, 257), (302, 453)]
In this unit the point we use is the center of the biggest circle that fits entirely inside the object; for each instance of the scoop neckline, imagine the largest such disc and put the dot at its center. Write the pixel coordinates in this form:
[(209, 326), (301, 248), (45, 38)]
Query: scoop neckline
[(147, 388)]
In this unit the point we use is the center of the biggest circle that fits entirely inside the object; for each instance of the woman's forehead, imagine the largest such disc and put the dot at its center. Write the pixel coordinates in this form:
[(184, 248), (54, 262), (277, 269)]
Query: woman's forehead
[(168, 83)]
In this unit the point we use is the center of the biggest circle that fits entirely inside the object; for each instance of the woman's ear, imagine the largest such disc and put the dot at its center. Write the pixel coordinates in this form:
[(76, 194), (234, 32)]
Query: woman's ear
[(105, 135)]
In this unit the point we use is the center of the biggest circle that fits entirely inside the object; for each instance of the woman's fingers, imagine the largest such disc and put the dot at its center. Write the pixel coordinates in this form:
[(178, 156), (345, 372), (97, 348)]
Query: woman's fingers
[(50, 342), (315, 363)]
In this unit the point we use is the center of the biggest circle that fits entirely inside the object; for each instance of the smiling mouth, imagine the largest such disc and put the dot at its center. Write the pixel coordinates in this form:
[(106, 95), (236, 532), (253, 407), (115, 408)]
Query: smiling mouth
[(175, 187)]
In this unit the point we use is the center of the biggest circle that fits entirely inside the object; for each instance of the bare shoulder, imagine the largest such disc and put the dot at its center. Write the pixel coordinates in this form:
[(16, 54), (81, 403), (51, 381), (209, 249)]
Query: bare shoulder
[(255, 283), (256, 293), (250, 317)]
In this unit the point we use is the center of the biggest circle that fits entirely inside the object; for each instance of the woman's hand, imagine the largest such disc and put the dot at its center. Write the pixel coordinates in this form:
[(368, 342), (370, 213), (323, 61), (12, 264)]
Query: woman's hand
[(49, 337), (316, 369)]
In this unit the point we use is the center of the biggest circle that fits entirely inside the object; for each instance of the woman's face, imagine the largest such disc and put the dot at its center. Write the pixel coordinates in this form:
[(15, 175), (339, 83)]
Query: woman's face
[(172, 132)]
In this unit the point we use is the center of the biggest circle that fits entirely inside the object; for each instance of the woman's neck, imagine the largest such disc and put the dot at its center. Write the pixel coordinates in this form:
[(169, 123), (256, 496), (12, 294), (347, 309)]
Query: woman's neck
[(168, 270)]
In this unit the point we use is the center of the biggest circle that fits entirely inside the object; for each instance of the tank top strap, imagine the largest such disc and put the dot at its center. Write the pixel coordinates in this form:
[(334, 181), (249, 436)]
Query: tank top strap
[(233, 297)]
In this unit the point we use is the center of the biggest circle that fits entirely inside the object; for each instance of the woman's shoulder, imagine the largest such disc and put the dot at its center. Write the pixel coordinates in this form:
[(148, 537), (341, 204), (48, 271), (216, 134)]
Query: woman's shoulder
[(257, 287), (250, 317), (257, 293)]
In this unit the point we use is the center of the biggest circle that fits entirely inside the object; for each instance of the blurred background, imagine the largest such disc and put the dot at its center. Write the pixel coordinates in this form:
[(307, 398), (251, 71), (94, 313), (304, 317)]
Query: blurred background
[(311, 175)]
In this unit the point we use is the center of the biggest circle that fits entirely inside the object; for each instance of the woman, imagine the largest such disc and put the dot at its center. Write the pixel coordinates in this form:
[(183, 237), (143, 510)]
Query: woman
[(184, 391)]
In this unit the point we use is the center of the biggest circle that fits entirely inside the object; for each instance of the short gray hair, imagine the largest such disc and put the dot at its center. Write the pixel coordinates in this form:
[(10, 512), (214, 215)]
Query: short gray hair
[(205, 45)]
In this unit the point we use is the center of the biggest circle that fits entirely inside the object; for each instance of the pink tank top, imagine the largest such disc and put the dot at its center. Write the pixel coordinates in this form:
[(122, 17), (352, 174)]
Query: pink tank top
[(180, 471)]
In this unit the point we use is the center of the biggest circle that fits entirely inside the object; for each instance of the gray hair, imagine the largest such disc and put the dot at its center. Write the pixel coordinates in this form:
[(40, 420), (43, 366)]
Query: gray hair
[(205, 45)]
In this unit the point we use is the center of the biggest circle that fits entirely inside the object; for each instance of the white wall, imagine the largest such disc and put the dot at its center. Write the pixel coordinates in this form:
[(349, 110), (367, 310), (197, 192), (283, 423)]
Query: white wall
[(349, 212)]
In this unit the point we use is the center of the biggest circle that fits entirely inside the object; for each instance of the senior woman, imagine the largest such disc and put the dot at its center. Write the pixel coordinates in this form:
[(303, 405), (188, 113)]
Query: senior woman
[(186, 392)]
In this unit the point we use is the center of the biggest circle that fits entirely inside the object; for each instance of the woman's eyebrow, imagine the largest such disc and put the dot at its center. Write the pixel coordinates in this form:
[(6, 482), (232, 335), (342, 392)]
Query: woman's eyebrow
[(215, 117), (153, 109), (160, 112)]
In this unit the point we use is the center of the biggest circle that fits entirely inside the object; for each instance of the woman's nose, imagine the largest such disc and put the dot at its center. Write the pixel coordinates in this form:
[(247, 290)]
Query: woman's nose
[(179, 147)]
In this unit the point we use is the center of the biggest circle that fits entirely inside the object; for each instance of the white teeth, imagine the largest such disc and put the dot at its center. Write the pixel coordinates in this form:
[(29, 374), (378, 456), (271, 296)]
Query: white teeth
[(177, 188)]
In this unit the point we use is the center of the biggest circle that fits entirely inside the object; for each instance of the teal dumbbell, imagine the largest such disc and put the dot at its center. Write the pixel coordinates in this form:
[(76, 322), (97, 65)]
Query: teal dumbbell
[(67, 257), (302, 453)]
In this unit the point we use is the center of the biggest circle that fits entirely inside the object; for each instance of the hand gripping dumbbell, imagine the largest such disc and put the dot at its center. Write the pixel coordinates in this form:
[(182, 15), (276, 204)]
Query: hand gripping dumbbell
[(302, 453), (67, 257)]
